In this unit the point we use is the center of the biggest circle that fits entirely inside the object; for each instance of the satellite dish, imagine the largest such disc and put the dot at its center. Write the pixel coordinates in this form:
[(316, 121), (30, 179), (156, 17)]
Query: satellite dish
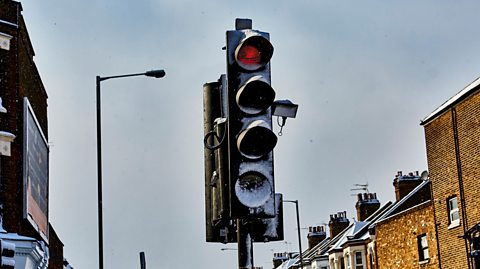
[(424, 175)]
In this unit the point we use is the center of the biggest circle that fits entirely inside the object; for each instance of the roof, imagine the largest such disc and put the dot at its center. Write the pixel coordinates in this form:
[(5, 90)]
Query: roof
[(287, 264), (394, 210), (472, 87), (357, 231)]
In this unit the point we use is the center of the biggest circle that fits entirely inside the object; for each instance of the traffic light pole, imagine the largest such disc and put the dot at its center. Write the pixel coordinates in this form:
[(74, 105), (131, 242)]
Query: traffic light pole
[(245, 245)]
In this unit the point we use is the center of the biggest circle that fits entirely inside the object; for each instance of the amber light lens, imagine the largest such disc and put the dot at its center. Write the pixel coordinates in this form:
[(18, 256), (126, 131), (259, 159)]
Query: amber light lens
[(249, 55)]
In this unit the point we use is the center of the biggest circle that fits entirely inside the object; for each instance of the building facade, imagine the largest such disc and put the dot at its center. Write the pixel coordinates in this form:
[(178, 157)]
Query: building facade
[(452, 134), (404, 236), (24, 156), (399, 234), (435, 220)]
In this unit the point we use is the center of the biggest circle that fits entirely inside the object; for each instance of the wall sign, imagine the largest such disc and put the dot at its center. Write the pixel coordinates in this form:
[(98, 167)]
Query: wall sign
[(35, 172)]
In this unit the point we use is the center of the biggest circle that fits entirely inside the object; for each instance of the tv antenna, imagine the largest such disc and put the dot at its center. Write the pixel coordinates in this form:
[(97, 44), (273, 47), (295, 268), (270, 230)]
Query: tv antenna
[(360, 187)]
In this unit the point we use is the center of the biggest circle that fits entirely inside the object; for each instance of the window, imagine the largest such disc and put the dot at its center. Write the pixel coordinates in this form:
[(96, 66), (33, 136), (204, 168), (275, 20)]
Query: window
[(358, 260), (347, 261), (423, 247), (453, 215), (332, 263)]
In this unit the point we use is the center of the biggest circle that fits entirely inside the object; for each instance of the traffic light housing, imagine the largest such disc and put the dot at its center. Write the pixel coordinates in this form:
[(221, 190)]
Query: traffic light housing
[(249, 125), (219, 227), (7, 250), (271, 229)]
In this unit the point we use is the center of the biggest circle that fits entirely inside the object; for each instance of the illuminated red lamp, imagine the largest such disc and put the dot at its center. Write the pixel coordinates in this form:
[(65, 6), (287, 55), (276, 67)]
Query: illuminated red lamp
[(253, 53)]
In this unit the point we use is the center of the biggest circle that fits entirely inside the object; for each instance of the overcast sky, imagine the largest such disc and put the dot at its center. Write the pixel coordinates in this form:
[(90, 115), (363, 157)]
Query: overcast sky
[(364, 74)]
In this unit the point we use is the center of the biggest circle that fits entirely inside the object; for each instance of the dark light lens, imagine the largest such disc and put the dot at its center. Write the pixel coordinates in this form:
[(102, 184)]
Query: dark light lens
[(253, 189), (255, 97), (256, 142)]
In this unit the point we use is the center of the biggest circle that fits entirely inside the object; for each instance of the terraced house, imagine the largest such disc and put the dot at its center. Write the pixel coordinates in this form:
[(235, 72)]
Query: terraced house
[(452, 135)]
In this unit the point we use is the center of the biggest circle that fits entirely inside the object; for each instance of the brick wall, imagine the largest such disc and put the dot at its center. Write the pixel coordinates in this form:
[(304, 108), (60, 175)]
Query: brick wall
[(468, 126), (396, 239), (449, 176), (11, 192), (19, 78), (56, 250)]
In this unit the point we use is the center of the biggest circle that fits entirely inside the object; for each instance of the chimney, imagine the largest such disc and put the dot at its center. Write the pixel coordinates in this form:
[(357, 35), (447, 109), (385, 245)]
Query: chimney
[(404, 184), (279, 258), (366, 205), (315, 235), (338, 222)]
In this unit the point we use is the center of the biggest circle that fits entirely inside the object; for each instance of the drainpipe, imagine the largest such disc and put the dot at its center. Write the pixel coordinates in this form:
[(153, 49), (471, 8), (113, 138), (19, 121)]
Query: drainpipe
[(460, 181)]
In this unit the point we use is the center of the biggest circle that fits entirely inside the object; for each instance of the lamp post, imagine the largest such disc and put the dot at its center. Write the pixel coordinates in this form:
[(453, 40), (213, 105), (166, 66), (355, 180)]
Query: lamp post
[(224, 249), (152, 73), (298, 230)]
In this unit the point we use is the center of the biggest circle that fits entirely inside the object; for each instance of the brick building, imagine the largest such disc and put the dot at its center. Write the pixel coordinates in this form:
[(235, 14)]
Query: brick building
[(452, 134), (404, 236), (24, 166), (399, 234)]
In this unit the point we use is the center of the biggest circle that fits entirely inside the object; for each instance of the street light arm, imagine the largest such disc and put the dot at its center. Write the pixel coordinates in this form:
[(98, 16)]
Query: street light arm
[(152, 73)]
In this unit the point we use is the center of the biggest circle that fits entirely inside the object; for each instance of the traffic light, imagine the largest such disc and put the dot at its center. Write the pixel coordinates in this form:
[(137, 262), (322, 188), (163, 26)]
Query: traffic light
[(249, 125), (7, 251), (271, 229), (218, 226)]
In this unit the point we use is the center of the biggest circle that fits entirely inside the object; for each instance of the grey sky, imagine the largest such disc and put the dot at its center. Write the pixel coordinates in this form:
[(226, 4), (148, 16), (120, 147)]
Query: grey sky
[(363, 72)]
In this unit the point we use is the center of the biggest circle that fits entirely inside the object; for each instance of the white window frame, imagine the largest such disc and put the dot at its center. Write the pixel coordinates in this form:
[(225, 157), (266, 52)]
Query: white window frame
[(359, 265), (348, 264), (423, 254), (453, 212)]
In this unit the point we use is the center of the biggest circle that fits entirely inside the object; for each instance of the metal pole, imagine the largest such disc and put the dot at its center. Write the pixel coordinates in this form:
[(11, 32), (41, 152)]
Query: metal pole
[(298, 230), (152, 73), (245, 245), (299, 236), (143, 264), (99, 178)]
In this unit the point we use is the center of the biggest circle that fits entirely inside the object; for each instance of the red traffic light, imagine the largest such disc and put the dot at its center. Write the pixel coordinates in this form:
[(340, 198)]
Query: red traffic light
[(249, 55), (253, 53)]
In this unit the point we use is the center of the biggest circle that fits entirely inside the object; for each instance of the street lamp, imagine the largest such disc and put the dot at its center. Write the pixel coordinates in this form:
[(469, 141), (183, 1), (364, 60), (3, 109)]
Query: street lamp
[(224, 249), (152, 73), (298, 230)]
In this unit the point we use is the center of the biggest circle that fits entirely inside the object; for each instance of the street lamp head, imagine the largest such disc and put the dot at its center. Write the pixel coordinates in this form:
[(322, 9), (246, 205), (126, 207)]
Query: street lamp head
[(284, 108), (155, 73)]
